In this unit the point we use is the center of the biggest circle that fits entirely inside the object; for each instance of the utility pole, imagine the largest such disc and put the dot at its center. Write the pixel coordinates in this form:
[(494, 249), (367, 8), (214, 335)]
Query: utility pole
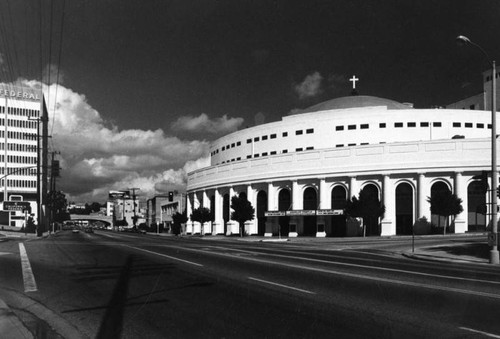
[(54, 173), (133, 197)]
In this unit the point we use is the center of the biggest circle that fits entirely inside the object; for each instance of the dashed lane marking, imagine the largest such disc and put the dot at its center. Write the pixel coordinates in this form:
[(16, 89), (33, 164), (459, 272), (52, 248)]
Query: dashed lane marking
[(281, 285), (28, 276)]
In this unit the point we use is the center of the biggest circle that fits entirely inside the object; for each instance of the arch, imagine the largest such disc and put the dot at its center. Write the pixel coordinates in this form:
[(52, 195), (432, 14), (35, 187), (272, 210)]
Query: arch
[(261, 209), (439, 186), (476, 207), (372, 225), (284, 204), (310, 199), (404, 209), (339, 201)]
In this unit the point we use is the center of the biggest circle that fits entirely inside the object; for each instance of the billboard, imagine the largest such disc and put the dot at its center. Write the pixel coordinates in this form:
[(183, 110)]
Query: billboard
[(119, 194), (17, 206)]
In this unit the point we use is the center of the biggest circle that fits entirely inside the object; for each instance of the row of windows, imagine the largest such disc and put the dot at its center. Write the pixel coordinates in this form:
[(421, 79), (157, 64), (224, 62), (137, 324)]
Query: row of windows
[(18, 159), (263, 138), (18, 135), (19, 183), (21, 111), (19, 123), (410, 124), (489, 77), (18, 147), (18, 171), (265, 154)]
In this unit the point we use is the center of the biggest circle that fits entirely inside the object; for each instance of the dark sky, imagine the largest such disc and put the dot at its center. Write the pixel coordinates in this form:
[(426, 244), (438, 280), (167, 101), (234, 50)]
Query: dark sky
[(192, 71), (144, 63)]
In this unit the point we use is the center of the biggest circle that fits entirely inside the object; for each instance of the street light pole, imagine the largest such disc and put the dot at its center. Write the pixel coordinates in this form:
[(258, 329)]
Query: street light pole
[(494, 254)]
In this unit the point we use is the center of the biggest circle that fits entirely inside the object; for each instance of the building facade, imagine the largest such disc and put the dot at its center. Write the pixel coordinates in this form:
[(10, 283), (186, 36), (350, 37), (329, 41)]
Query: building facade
[(176, 203), (298, 172), (20, 144)]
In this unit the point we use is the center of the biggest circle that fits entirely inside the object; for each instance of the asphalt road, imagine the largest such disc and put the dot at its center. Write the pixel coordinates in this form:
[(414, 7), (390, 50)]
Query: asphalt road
[(120, 285)]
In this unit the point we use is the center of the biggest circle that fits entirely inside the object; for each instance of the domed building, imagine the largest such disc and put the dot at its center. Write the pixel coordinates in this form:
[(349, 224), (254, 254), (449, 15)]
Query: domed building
[(298, 172)]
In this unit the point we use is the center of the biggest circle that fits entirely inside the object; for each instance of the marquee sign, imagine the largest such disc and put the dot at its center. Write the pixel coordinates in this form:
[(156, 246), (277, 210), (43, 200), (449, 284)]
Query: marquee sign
[(302, 213), (20, 93), (329, 212), (274, 214)]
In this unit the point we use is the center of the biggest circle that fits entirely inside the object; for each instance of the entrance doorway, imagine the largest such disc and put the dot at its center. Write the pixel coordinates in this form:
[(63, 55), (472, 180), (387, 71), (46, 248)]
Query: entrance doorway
[(339, 201), (404, 209)]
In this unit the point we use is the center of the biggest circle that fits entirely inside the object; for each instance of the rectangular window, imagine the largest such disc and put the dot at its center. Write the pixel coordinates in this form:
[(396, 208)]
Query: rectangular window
[(364, 126), (411, 124), (285, 134), (364, 143), (284, 151), (264, 154), (256, 139), (398, 124), (299, 132), (238, 143), (339, 145), (249, 141), (298, 149), (249, 156), (436, 124), (457, 124), (238, 158), (381, 125), (256, 155), (264, 137), (351, 127), (480, 125), (232, 145), (351, 145), (489, 126), (424, 124), (273, 152), (472, 106), (309, 148), (339, 128), (468, 125), (310, 131), (273, 136), (223, 148)]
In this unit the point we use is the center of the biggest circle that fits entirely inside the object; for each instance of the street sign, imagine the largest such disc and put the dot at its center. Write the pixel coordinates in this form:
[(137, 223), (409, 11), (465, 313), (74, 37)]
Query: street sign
[(16, 206)]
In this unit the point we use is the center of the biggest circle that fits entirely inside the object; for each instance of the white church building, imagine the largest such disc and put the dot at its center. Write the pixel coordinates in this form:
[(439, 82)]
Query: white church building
[(298, 172)]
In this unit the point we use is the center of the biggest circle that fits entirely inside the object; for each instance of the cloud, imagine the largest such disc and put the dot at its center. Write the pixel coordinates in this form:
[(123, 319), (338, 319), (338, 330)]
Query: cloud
[(203, 123), (310, 87), (53, 74), (96, 156)]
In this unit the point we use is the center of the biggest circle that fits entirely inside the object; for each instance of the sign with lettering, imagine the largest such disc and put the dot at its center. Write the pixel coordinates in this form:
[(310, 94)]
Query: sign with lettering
[(20, 93), (301, 212), (274, 214), (119, 194), (329, 212), (16, 206)]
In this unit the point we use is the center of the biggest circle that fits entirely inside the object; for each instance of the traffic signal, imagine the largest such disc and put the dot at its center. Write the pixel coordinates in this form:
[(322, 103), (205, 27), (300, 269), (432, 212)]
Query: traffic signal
[(55, 168), (170, 196)]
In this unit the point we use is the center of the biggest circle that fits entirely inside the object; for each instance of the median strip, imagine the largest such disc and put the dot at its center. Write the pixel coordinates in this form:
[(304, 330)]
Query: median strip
[(281, 285), (28, 276)]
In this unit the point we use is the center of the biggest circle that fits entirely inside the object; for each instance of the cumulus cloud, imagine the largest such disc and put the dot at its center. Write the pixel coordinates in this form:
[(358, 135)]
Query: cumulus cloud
[(53, 74), (96, 156), (203, 123), (310, 86)]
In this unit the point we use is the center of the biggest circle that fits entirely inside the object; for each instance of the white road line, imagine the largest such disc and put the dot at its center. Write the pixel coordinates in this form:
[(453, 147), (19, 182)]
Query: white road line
[(280, 285), (28, 277), (480, 332), (164, 255), (358, 276)]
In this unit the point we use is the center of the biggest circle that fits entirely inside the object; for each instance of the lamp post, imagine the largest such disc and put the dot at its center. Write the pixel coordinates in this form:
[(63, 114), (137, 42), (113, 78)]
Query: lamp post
[(494, 255)]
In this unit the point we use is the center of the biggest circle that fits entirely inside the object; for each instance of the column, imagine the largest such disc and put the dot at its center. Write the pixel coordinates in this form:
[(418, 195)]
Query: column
[(218, 224), (205, 202), (388, 226), (250, 225), (271, 222), (232, 226), (424, 209), (196, 204), (324, 203), (189, 210), (353, 189), (461, 222), (297, 204)]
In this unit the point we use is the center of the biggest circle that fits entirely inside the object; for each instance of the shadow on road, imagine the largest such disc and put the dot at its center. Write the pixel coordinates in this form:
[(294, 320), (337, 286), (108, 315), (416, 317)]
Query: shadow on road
[(478, 250)]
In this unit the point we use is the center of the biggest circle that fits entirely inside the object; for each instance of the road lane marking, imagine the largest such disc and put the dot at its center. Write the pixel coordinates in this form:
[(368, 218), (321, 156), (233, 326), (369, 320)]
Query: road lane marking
[(364, 266), (358, 276), (281, 285), (164, 255), (480, 332), (28, 277)]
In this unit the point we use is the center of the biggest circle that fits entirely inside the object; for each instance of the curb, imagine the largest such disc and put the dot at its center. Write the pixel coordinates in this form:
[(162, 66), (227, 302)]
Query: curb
[(10, 325), (425, 257)]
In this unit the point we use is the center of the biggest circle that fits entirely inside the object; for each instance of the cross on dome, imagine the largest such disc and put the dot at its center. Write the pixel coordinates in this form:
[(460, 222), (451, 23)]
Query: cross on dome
[(353, 80)]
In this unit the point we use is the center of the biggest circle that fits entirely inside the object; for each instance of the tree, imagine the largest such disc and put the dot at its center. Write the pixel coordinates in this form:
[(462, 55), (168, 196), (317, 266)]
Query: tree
[(445, 204), (178, 219), (366, 206), (202, 215), (56, 200), (242, 211)]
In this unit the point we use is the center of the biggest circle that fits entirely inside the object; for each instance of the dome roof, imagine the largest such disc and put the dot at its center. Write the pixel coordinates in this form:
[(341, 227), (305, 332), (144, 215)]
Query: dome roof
[(355, 101)]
